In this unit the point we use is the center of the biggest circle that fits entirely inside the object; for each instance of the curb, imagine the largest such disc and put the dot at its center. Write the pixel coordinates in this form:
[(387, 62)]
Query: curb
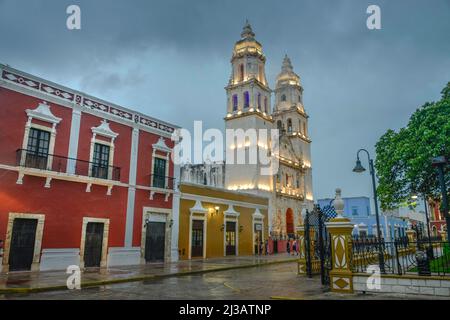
[(99, 283)]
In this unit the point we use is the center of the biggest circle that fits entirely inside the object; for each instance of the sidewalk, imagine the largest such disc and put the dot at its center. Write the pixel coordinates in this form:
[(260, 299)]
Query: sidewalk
[(27, 282)]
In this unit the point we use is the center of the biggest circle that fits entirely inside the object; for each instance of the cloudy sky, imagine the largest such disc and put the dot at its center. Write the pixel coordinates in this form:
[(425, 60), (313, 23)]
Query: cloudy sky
[(170, 59)]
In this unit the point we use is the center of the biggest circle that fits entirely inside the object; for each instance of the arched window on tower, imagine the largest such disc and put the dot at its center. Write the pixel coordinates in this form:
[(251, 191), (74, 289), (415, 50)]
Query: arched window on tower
[(289, 126), (279, 124), (283, 97), (259, 101), (246, 99), (265, 105), (241, 72), (235, 102)]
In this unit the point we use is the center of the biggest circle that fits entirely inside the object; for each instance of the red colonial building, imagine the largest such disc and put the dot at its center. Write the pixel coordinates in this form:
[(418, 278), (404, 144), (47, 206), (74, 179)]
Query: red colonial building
[(82, 181)]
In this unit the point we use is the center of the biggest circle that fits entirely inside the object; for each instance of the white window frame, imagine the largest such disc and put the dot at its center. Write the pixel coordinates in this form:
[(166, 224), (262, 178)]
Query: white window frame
[(198, 212), (42, 113), (231, 215), (105, 131)]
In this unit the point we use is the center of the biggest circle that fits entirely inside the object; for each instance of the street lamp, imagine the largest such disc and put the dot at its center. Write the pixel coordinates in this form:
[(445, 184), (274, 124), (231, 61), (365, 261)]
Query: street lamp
[(358, 169)]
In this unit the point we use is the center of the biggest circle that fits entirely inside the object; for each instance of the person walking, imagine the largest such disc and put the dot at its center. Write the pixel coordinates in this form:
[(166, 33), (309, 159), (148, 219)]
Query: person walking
[(267, 247), (288, 247)]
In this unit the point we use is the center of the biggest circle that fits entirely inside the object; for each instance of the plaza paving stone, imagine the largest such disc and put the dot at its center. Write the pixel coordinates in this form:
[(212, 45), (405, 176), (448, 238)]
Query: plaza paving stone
[(52, 280), (264, 282)]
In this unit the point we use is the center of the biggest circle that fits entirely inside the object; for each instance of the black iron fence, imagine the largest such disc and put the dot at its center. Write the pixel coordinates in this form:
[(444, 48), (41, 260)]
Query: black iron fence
[(162, 182), (43, 161), (424, 258)]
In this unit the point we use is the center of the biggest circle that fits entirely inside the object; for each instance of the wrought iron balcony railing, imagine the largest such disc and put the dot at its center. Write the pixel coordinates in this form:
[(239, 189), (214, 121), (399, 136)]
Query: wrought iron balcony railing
[(162, 182), (50, 162)]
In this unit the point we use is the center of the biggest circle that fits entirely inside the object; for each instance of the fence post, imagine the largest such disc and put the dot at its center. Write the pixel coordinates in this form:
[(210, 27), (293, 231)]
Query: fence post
[(340, 228), (412, 238), (301, 250)]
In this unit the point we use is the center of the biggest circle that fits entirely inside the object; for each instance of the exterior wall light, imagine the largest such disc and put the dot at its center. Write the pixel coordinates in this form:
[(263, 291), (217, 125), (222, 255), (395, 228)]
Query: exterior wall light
[(222, 227), (170, 223), (241, 228)]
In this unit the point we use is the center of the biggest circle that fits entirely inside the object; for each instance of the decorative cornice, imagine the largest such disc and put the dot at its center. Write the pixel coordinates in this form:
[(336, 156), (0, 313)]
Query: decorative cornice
[(104, 130), (43, 112), (254, 112), (161, 145), (257, 214), (231, 212), (198, 208), (24, 80)]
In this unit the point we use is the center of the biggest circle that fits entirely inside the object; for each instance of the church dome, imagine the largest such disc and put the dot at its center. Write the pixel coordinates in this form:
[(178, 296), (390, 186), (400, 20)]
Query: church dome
[(287, 76)]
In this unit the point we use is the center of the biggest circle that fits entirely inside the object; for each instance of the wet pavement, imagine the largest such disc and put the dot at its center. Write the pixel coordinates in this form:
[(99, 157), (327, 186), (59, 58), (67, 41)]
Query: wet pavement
[(276, 281), (27, 281)]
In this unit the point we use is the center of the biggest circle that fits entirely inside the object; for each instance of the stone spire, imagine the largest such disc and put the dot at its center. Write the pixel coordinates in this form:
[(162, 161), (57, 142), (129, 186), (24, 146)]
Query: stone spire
[(247, 32), (287, 65)]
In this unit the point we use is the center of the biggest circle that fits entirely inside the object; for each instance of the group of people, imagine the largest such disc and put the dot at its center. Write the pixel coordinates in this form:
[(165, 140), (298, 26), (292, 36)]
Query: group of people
[(264, 248), (292, 248)]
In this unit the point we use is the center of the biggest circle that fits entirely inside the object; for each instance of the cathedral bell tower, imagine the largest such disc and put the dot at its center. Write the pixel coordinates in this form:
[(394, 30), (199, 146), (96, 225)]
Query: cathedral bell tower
[(290, 117), (248, 107)]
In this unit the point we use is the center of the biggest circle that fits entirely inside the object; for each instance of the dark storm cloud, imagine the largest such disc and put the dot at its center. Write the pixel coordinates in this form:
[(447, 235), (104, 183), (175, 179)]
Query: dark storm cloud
[(170, 59)]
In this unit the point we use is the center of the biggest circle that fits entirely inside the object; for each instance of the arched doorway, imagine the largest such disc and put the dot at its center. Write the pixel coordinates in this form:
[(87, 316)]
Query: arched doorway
[(290, 223)]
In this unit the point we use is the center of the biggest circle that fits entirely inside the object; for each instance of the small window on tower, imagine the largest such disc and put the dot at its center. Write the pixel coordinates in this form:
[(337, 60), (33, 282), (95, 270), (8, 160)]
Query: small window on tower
[(283, 97), (235, 102), (265, 104), (289, 125), (259, 100), (246, 99), (299, 98), (279, 124), (241, 72)]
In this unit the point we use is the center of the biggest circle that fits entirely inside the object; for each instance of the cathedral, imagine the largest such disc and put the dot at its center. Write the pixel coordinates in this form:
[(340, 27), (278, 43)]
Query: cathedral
[(249, 105)]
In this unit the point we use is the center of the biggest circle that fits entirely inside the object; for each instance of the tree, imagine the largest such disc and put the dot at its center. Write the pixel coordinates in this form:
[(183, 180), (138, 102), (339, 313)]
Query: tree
[(403, 161)]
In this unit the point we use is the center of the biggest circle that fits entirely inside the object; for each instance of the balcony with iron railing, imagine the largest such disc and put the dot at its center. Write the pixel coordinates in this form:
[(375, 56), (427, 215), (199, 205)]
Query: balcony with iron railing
[(29, 159), (161, 184)]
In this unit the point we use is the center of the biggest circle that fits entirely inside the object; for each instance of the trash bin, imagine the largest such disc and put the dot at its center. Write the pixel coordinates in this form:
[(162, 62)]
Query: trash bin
[(423, 264)]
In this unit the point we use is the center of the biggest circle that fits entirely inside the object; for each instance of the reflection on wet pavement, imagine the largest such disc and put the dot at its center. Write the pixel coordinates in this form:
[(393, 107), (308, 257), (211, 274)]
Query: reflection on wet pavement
[(268, 282)]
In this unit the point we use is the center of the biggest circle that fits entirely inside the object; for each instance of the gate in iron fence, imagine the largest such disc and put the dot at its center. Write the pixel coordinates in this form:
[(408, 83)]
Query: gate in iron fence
[(317, 244)]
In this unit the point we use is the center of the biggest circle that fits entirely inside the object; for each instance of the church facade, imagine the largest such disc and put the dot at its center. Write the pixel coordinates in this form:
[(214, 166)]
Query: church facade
[(249, 106)]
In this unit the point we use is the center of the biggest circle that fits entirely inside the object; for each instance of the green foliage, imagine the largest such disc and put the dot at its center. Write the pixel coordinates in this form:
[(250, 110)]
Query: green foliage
[(403, 160)]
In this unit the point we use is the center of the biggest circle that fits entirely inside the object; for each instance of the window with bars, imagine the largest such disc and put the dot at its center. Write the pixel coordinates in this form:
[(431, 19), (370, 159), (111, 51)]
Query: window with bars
[(100, 161), (37, 148), (159, 173)]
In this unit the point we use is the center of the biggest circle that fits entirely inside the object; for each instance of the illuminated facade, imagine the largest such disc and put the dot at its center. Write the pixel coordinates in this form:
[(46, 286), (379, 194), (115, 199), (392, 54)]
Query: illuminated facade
[(289, 190)]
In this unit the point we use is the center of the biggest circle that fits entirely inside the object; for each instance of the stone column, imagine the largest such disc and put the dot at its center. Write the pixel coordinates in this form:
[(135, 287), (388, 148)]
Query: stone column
[(340, 228)]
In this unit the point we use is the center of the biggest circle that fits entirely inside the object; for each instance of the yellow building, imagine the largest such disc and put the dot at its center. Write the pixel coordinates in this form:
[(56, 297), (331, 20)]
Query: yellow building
[(215, 222)]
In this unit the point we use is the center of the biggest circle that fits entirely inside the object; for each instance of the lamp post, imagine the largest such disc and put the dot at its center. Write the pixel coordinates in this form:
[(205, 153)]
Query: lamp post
[(359, 168)]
